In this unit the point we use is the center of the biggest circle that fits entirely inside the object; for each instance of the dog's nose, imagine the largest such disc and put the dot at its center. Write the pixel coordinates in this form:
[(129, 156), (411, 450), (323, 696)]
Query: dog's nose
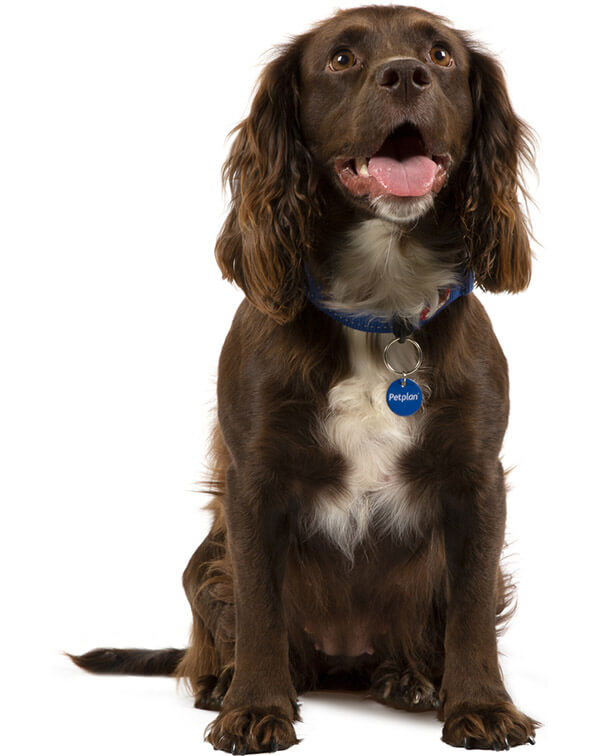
[(403, 72)]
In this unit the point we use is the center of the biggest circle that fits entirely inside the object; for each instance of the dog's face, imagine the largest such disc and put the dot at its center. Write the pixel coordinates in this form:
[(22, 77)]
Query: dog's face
[(386, 107), (382, 111)]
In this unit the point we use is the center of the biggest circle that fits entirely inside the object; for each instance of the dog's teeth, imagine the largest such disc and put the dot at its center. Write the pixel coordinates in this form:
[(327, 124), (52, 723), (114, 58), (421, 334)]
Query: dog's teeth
[(361, 166)]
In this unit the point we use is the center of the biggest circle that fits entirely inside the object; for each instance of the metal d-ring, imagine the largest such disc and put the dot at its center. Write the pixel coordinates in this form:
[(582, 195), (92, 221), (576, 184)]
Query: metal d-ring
[(403, 373)]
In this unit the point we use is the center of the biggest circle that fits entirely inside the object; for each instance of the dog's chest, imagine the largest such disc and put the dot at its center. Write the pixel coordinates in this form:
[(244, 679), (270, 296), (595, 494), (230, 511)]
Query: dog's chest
[(371, 439)]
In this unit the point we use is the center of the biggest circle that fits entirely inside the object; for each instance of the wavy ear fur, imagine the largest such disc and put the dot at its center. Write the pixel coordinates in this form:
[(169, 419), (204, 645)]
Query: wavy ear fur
[(273, 195), (496, 227)]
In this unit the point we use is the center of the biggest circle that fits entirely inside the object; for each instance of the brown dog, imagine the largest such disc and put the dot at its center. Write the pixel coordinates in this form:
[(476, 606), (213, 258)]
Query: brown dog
[(358, 513)]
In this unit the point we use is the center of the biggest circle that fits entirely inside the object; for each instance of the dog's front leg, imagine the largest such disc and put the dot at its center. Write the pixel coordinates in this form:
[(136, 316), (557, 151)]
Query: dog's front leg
[(477, 710), (260, 704)]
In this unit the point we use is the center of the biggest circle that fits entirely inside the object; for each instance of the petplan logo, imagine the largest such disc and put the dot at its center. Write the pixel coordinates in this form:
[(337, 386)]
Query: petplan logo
[(402, 397)]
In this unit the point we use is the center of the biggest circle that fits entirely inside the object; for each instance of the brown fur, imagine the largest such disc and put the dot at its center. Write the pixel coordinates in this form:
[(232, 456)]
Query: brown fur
[(412, 621)]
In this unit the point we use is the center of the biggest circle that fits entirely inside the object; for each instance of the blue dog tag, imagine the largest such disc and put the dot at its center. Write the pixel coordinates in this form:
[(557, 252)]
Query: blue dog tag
[(404, 397)]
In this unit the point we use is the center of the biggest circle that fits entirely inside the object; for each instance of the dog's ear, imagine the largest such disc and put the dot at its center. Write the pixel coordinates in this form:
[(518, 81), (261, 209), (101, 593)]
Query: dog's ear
[(496, 226), (273, 195)]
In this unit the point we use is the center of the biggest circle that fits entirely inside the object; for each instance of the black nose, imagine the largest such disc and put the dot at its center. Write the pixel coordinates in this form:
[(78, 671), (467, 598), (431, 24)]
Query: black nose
[(403, 72)]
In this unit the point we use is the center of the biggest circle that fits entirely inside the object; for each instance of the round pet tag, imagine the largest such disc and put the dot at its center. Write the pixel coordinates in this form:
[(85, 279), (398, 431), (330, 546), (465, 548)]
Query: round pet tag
[(404, 397)]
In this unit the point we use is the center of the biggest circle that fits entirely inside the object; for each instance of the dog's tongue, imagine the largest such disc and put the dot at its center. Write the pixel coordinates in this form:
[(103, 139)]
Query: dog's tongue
[(412, 176)]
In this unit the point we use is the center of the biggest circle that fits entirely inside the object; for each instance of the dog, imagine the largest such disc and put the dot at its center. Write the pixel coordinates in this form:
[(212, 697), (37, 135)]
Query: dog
[(358, 497)]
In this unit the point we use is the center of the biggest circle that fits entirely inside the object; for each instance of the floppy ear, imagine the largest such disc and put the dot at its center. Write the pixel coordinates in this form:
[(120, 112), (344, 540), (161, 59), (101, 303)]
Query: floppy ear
[(496, 227), (273, 195)]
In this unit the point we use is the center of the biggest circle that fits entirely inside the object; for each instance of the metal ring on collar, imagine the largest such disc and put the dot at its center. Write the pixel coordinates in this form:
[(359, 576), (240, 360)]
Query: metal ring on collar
[(403, 373)]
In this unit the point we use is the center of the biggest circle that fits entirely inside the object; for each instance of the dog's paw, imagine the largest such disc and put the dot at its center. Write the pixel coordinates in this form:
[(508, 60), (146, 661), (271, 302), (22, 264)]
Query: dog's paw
[(495, 727), (251, 730), (403, 689), (211, 690)]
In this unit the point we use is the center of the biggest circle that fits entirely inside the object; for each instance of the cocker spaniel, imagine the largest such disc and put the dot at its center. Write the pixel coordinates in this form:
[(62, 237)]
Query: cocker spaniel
[(359, 500)]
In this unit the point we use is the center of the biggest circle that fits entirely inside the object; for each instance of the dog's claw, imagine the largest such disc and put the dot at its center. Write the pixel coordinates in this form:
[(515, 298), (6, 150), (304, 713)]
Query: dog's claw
[(273, 746), (506, 744), (531, 740), (468, 744)]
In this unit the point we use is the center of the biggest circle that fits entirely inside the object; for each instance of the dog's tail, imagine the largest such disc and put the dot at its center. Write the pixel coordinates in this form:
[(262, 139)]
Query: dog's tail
[(130, 661)]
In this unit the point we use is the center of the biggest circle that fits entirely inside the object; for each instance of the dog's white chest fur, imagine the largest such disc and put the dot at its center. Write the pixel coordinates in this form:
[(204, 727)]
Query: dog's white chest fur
[(377, 270), (371, 438)]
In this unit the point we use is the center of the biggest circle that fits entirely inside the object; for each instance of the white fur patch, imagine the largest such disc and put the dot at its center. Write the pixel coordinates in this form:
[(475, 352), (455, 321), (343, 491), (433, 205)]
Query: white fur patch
[(371, 438), (378, 270), (408, 211)]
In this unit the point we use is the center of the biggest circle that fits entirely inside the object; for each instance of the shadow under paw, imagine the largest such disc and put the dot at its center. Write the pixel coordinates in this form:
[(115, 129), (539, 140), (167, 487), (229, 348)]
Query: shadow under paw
[(251, 730), (403, 689), (495, 727)]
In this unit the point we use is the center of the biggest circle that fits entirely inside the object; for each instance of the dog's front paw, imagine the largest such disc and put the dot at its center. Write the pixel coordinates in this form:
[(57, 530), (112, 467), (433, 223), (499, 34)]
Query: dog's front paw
[(489, 726), (251, 730)]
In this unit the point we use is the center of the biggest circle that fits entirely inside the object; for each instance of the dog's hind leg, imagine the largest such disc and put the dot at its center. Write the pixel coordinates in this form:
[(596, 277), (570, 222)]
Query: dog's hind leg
[(208, 662)]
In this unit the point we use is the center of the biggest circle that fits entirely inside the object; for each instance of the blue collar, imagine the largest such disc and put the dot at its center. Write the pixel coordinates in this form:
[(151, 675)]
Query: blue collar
[(396, 324)]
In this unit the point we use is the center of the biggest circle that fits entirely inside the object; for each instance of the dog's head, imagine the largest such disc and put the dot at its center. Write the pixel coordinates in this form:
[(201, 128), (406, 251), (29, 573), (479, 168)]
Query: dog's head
[(377, 112)]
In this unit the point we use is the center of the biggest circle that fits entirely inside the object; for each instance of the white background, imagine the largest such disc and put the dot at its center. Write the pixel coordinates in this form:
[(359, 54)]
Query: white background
[(112, 312)]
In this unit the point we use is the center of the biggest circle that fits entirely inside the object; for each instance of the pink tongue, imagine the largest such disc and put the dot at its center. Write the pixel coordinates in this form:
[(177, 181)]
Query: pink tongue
[(411, 177)]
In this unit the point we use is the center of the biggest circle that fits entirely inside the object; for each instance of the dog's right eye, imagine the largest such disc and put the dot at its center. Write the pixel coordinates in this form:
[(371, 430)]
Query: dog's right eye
[(342, 60)]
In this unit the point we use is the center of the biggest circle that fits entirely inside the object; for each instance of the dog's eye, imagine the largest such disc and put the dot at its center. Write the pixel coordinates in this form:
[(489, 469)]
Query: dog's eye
[(440, 56), (342, 60)]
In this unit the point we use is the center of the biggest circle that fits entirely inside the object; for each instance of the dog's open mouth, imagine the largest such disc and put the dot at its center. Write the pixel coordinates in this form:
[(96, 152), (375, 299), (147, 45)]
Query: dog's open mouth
[(401, 167)]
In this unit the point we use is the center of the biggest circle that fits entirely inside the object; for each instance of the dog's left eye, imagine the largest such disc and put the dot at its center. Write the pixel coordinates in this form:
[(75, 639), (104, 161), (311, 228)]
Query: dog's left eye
[(342, 60), (440, 56)]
